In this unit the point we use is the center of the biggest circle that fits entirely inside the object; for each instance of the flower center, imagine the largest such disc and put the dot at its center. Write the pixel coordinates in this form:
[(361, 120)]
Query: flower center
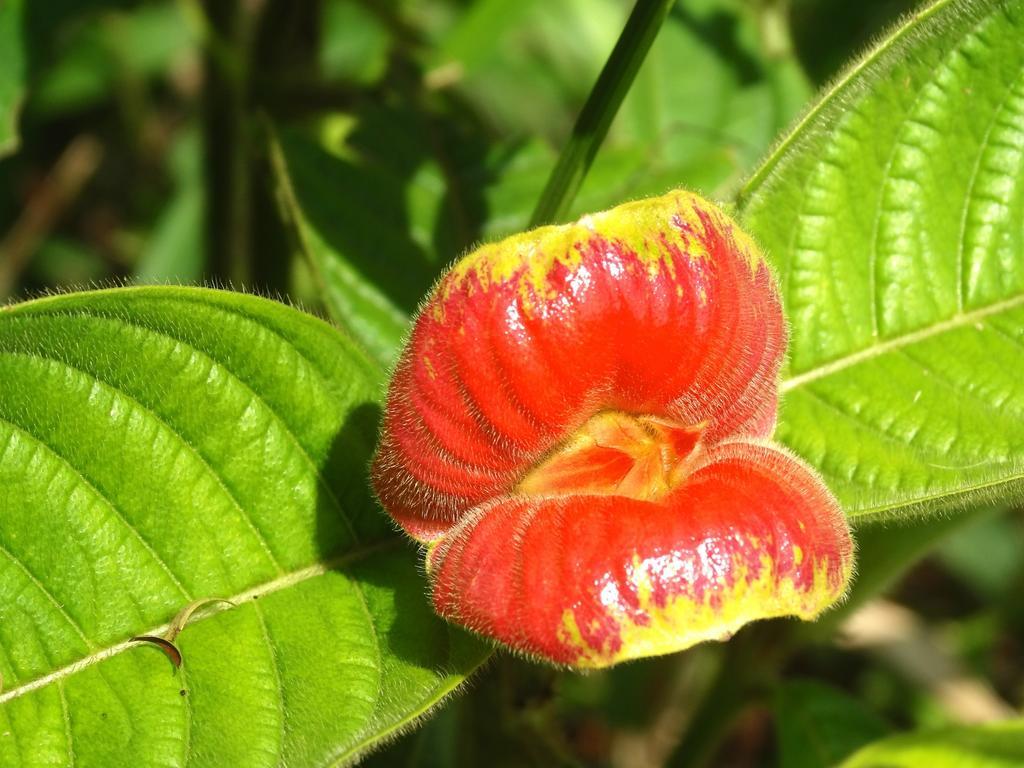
[(618, 454)]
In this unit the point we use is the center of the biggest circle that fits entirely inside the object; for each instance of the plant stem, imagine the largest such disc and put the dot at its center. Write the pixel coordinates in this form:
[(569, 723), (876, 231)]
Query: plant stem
[(286, 37), (72, 171), (226, 142), (251, 46), (715, 713), (600, 109), (749, 666)]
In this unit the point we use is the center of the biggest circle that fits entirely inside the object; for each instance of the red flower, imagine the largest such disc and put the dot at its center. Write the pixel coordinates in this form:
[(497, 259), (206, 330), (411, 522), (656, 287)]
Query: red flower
[(578, 427)]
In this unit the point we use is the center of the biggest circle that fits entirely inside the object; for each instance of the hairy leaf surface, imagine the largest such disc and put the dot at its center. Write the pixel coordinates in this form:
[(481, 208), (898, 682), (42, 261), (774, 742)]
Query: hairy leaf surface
[(160, 446), (894, 217)]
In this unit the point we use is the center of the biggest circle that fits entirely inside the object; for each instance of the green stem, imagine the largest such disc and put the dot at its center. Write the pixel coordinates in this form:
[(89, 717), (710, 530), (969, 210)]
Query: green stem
[(749, 667), (602, 105), (714, 715)]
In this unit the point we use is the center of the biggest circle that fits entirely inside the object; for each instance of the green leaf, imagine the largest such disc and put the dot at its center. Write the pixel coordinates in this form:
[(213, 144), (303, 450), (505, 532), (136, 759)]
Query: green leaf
[(436, 745), (829, 35), (710, 98), (62, 262), (160, 446), (101, 53), (818, 725), (999, 745), (12, 73), (352, 227), (355, 45), (987, 556), (548, 60), (174, 252), (892, 214), (471, 40)]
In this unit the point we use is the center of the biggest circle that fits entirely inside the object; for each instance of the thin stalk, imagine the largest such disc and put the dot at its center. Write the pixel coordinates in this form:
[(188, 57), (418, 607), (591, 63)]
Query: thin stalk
[(72, 171), (226, 141), (749, 667), (600, 109), (714, 716)]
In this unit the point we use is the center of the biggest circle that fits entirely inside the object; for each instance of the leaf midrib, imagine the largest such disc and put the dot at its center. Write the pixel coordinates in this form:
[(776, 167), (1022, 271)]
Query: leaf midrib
[(897, 342), (286, 581)]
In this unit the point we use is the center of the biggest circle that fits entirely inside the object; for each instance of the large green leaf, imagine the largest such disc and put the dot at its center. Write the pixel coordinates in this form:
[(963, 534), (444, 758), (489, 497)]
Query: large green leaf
[(160, 446), (12, 73), (894, 217), (990, 746)]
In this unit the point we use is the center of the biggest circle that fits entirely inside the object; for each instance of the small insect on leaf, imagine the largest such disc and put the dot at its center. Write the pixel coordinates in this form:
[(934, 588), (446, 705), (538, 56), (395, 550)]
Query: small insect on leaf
[(165, 645)]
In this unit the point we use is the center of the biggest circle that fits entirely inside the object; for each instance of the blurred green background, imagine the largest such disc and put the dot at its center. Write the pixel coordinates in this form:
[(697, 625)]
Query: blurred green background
[(148, 145), (142, 153)]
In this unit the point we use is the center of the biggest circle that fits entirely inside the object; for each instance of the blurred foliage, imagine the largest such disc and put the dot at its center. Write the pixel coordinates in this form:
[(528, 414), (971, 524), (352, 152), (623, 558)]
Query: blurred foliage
[(820, 725), (12, 65), (157, 142), (453, 111)]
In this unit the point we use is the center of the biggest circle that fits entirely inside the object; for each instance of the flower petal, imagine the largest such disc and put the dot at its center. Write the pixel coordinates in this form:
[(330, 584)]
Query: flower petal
[(593, 580), (659, 307)]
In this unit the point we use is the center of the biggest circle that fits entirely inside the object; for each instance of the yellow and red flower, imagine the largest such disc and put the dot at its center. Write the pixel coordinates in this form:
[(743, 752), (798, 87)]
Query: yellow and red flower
[(579, 429)]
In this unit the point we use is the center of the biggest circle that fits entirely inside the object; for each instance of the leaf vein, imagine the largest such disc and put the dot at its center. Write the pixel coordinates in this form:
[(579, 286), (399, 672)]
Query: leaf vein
[(874, 257), (114, 508), (66, 714), (261, 590), (52, 598), (961, 255), (858, 420), (279, 702), (205, 354), (951, 384), (877, 350), (193, 449)]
